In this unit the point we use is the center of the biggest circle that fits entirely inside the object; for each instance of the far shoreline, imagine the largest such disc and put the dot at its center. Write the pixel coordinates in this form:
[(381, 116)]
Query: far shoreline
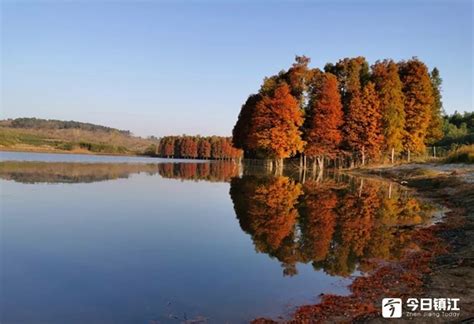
[(54, 151), (89, 153)]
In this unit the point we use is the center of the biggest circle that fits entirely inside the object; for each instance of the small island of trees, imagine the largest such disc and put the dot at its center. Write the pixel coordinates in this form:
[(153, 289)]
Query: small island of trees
[(349, 114)]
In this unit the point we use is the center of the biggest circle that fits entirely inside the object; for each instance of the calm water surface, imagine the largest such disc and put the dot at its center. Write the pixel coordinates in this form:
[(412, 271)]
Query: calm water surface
[(95, 239)]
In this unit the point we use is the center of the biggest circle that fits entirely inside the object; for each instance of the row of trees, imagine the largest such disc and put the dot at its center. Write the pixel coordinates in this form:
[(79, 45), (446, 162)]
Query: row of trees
[(338, 227), (197, 147), (349, 109)]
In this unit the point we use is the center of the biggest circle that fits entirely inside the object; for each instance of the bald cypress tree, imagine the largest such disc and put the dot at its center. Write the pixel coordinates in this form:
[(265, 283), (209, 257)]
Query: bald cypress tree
[(297, 77), (241, 130), (275, 126), (389, 90), (418, 102), (435, 128), (324, 118), (372, 122), (352, 74)]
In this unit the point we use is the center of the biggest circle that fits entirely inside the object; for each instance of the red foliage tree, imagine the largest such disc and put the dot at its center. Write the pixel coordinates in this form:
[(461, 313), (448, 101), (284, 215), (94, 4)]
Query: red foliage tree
[(324, 117), (204, 149), (419, 100), (275, 128)]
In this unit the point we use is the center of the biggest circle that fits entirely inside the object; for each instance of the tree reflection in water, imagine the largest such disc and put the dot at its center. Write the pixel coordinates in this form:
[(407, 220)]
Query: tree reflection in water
[(72, 172), (339, 224), (214, 171)]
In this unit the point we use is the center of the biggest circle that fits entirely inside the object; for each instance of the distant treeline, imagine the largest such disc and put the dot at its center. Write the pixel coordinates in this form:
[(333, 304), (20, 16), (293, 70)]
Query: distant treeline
[(76, 136), (350, 111), (196, 147), (37, 123), (458, 129)]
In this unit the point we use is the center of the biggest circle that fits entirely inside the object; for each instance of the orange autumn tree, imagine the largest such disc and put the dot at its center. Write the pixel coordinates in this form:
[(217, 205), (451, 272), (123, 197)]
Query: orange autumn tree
[(166, 147), (352, 74), (275, 126), (418, 92), (324, 118), (363, 129), (353, 128), (188, 147), (373, 136), (389, 90), (204, 149)]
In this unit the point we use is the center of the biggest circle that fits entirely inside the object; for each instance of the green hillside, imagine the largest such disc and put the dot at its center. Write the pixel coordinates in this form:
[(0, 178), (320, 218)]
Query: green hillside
[(42, 135)]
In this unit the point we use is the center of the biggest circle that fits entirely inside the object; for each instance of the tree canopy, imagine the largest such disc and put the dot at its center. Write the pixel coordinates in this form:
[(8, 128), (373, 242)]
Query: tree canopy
[(351, 109)]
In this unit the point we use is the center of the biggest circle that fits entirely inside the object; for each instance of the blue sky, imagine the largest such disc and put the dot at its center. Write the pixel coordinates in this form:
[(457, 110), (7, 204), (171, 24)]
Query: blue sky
[(159, 68)]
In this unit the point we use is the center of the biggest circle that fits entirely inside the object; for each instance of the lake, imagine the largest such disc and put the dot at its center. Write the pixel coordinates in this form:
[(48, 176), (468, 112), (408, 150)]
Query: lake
[(100, 239)]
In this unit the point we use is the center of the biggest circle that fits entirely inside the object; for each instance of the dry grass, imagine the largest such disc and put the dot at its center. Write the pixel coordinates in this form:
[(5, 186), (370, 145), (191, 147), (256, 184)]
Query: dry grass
[(463, 154)]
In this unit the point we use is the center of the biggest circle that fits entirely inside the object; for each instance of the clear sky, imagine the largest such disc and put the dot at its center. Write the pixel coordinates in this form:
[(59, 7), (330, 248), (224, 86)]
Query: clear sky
[(159, 68)]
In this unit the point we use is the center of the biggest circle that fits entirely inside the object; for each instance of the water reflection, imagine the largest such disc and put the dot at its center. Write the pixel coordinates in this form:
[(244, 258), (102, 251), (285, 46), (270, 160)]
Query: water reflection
[(339, 224), (61, 172), (215, 171), (157, 247)]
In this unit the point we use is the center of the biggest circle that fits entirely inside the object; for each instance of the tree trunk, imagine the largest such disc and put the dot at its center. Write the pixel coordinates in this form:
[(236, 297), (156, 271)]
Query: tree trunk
[(363, 155), (393, 155), (320, 175), (361, 187), (269, 165), (300, 170), (434, 151), (314, 165), (408, 156), (279, 166), (321, 163)]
